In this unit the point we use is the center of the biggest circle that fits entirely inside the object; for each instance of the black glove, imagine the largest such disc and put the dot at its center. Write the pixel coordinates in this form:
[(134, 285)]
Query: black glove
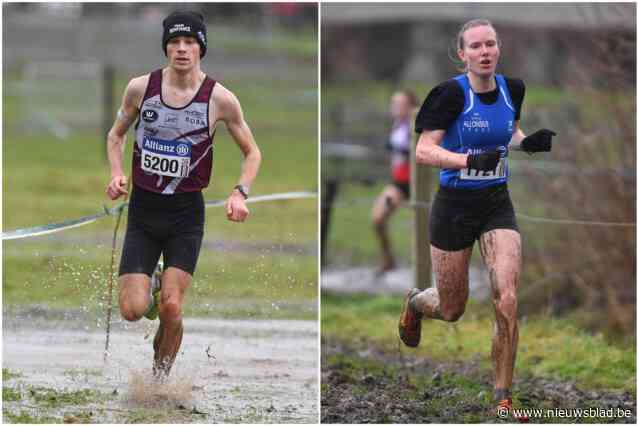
[(540, 141), (483, 161)]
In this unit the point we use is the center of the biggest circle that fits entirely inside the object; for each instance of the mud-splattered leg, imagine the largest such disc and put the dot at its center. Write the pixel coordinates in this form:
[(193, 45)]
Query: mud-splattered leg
[(169, 334), (501, 250), (385, 204), (447, 301)]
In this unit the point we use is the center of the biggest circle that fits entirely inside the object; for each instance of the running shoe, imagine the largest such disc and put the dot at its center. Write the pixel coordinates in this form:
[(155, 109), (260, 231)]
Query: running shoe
[(504, 408), (156, 286), (504, 411), (410, 321)]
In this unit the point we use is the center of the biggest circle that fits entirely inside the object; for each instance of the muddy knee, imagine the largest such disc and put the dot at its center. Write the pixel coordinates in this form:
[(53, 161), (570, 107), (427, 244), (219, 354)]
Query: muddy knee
[(132, 310), (453, 313), (170, 312), (506, 306)]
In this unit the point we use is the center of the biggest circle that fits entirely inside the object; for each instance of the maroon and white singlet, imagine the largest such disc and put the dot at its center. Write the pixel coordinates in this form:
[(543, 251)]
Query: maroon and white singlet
[(173, 149), (400, 139)]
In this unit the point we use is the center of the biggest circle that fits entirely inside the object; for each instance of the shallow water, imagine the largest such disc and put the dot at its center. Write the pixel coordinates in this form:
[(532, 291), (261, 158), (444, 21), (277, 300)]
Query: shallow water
[(229, 370)]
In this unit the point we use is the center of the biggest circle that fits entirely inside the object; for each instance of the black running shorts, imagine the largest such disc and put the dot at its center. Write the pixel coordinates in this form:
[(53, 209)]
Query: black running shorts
[(460, 216), (172, 225), (403, 187)]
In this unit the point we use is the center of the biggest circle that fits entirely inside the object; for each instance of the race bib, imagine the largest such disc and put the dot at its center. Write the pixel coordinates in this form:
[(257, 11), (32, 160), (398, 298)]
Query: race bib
[(166, 158), (473, 174)]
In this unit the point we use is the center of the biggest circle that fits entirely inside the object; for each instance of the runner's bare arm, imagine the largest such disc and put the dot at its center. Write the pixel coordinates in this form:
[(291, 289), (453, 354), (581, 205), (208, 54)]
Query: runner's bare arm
[(430, 153), (229, 111), (517, 137), (116, 137)]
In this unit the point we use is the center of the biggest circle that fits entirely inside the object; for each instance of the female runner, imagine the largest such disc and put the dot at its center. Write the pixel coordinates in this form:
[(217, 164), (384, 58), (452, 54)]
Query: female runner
[(467, 126)]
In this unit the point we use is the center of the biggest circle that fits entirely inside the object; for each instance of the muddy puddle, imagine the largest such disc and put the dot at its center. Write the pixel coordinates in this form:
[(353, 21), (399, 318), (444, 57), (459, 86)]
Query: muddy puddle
[(232, 371)]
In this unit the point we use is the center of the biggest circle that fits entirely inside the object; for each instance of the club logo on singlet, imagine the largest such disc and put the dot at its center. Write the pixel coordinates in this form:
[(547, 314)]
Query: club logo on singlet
[(170, 118), (149, 115), (476, 124), (166, 158)]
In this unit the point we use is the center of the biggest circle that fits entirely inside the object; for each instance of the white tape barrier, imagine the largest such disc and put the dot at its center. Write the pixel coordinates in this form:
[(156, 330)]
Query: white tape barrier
[(74, 223)]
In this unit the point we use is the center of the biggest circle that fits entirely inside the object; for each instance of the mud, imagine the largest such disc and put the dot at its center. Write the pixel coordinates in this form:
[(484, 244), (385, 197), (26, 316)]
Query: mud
[(262, 371), (372, 386)]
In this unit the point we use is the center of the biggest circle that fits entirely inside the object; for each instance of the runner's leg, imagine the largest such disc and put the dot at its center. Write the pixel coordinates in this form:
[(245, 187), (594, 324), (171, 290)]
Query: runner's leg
[(385, 204), (140, 253), (168, 339), (447, 300), (501, 250), (134, 295)]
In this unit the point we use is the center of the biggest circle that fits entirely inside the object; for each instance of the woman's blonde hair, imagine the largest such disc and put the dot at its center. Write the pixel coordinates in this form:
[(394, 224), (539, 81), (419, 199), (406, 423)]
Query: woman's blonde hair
[(460, 42)]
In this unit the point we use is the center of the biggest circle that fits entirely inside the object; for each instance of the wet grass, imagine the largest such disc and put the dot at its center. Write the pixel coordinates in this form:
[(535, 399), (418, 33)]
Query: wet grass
[(49, 405), (10, 394), (225, 284), (9, 374), (26, 417), (591, 361), (83, 373)]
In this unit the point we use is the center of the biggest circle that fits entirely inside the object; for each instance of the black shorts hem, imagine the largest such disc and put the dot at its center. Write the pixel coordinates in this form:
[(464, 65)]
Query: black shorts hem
[(128, 269), (459, 218), (181, 267)]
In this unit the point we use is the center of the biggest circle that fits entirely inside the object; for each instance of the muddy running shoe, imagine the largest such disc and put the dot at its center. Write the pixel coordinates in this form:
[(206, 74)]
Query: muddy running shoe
[(156, 286), (410, 321), (504, 408)]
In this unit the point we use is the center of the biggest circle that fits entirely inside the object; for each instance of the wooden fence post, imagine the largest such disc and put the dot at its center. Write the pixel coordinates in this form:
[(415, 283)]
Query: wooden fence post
[(420, 185)]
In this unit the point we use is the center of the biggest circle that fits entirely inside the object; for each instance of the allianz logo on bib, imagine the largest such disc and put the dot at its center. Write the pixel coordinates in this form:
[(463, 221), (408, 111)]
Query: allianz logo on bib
[(167, 147), (476, 123), (149, 115), (182, 149)]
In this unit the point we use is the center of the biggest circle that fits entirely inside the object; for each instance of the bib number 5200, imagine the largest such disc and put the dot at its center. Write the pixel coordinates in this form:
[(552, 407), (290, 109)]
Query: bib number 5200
[(161, 165), (165, 165)]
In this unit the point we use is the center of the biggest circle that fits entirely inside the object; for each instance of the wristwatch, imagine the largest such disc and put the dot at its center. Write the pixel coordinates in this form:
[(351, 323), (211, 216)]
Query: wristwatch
[(243, 190)]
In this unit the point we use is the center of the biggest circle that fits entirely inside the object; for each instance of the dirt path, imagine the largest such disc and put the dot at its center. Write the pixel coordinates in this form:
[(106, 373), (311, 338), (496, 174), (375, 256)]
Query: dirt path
[(371, 386), (228, 371)]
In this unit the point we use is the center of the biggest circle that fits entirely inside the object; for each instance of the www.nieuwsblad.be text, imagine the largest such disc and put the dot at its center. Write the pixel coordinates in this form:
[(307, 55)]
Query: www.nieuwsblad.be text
[(566, 413)]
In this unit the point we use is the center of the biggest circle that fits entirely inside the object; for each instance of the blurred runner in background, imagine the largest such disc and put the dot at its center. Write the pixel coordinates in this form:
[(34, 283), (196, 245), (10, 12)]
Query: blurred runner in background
[(402, 109)]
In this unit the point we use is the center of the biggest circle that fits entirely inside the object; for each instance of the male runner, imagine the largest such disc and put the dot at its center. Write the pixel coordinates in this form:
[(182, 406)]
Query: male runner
[(177, 109)]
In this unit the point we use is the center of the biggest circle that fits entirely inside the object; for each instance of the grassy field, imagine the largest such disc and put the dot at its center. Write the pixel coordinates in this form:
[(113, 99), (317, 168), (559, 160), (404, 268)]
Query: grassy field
[(271, 273), (591, 361)]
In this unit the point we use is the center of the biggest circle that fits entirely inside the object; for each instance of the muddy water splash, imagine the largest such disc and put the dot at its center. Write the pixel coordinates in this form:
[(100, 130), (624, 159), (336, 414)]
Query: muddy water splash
[(145, 390)]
